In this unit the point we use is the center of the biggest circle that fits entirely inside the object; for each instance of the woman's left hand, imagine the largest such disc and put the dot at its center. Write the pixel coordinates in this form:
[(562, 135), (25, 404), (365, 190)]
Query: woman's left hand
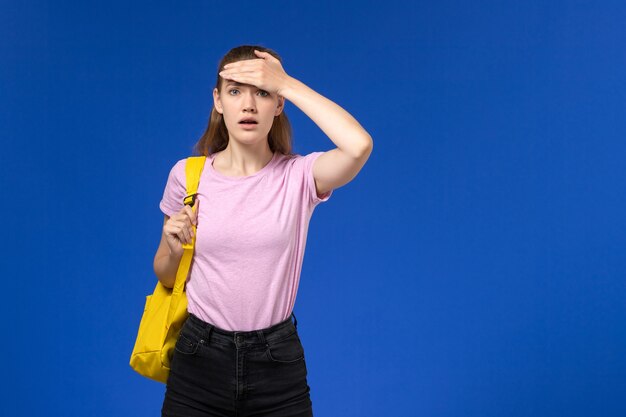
[(265, 73)]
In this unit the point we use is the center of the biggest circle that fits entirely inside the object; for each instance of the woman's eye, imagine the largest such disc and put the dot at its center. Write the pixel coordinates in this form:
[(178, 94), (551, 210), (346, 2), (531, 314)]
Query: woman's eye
[(265, 93)]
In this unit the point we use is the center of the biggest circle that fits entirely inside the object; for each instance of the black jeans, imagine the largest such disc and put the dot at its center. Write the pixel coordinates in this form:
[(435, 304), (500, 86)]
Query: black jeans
[(216, 372)]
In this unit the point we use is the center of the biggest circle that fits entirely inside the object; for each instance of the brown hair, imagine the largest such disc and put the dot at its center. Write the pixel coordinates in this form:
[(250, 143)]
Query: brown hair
[(215, 137)]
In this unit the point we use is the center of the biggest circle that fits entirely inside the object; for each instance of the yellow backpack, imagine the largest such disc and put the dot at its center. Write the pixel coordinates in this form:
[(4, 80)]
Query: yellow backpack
[(165, 310)]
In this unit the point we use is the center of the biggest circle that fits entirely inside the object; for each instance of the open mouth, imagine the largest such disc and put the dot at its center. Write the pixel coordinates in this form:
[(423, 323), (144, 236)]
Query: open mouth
[(248, 125), (248, 120)]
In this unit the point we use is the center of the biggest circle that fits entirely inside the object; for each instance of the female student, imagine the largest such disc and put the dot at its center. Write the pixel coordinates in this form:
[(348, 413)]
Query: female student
[(239, 352)]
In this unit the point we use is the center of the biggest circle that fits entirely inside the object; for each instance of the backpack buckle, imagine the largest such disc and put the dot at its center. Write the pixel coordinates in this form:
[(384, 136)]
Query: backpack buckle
[(190, 199)]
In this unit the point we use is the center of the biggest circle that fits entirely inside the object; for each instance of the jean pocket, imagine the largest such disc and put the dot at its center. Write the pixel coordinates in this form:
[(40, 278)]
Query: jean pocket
[(186, 345), (286, 350)]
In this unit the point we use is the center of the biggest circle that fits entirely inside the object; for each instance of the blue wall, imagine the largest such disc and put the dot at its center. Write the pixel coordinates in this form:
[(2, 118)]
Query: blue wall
[(475, 266)]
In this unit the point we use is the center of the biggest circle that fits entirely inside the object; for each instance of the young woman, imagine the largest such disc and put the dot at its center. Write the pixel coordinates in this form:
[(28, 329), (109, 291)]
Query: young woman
[(239, 352)]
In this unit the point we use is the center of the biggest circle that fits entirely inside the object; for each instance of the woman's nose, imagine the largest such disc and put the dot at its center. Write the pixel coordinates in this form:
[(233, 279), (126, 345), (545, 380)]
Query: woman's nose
[(249, 101)]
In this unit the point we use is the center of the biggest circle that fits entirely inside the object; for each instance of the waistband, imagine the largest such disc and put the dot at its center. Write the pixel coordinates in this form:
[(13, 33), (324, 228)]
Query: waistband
[(211, 333)]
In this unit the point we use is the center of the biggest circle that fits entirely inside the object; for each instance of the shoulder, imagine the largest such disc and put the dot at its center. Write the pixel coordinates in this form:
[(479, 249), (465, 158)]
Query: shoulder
[(175, 189), (180, 163), (176, 176), (297, 161), (178, 167), (304, 163)]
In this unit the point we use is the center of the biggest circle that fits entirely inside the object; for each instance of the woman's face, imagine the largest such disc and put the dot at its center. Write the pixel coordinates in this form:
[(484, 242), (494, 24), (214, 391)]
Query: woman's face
[(241, 101)]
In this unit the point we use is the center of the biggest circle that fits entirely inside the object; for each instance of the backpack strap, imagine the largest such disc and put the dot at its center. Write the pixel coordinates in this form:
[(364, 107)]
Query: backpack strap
[(193, 169)]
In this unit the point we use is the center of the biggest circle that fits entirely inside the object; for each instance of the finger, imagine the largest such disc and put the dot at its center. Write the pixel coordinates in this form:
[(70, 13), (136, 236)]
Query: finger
[(226, 75), (252, 64), (178, 228), (183, 235), (183, 210), (184, 232), (196, 206), (235, 74), (243, 79), (234, 65), (179, 224), (266, 56), (190, 233), (246, 81), (189, 214), (243, 63)]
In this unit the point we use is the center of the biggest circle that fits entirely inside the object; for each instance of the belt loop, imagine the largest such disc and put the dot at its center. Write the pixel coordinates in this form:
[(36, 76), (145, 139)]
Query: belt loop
[(294, 317), (261, 336)]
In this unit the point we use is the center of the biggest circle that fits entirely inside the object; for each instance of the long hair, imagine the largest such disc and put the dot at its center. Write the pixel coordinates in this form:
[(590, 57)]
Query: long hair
[(215, 137)]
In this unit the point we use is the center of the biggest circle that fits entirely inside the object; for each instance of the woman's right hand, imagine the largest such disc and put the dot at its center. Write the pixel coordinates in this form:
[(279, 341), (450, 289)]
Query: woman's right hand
[(178, 228)]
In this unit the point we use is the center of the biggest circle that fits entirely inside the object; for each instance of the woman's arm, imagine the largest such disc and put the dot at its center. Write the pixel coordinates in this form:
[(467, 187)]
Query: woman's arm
[(335, 167), (339, 166), (166, 262), (267, 73), (334, 121)]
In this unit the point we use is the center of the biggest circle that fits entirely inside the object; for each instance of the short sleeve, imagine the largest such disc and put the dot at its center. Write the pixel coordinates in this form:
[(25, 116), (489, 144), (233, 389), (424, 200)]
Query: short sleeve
[(309, 180), (175, 189)]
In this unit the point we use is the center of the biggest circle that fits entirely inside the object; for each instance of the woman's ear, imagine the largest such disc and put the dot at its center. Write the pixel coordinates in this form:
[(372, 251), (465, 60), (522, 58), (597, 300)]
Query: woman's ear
[(216, 101), (280, 106)]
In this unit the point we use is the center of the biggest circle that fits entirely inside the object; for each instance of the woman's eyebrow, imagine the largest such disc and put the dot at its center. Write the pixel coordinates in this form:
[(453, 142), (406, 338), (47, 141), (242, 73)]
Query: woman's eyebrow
[(235, 83)]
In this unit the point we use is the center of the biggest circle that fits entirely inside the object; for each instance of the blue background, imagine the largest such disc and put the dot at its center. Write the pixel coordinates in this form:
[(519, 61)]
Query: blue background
[(474, 267)]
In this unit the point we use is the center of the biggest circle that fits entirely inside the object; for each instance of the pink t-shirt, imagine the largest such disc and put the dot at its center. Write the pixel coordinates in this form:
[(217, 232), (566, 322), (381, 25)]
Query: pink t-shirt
[(251, 236)]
